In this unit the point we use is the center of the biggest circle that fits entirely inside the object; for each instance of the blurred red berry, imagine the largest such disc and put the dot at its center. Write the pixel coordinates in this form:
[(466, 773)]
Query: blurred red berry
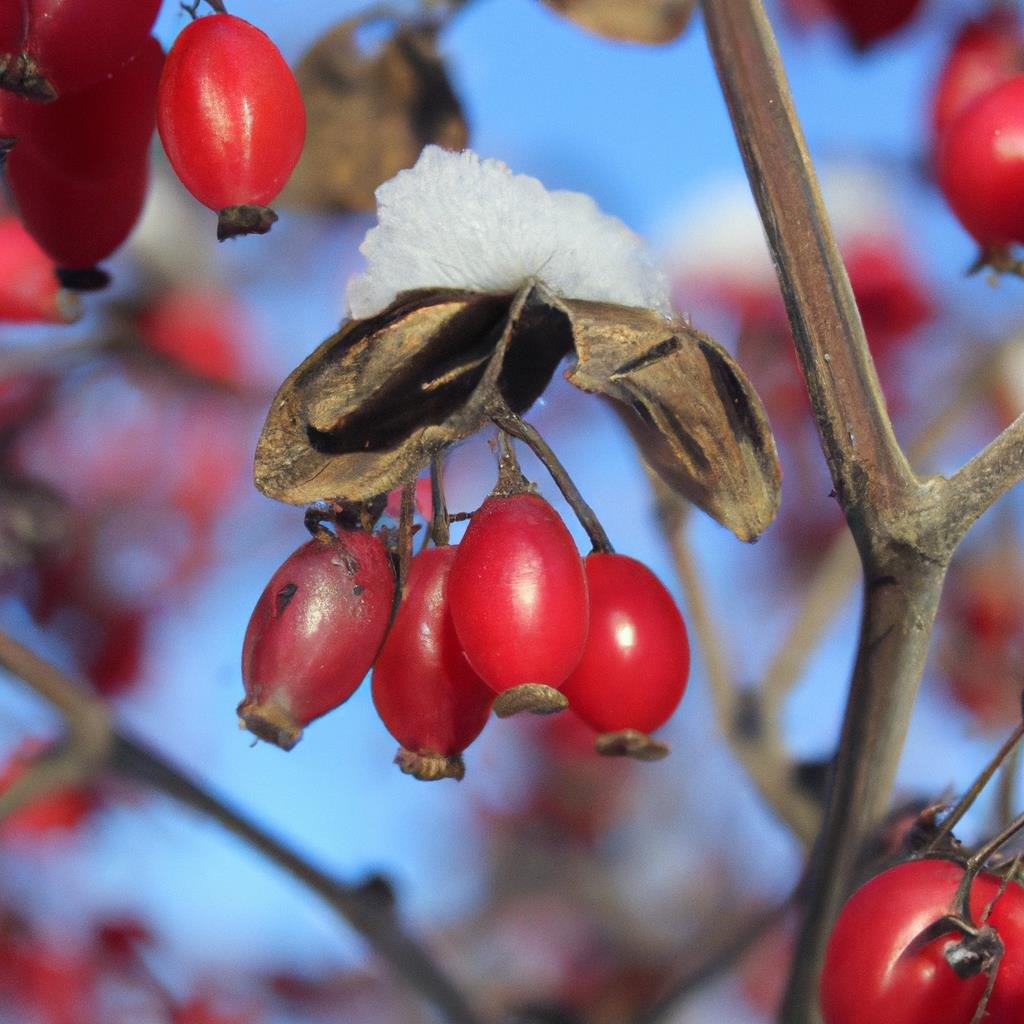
[(29, 289), (867, 22), (985, 53), (980, 165)]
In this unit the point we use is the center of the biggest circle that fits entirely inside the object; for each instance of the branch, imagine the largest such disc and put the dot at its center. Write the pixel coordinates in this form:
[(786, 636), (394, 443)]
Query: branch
[(896, 520), (865, 460), (975, 487), (362, 908)]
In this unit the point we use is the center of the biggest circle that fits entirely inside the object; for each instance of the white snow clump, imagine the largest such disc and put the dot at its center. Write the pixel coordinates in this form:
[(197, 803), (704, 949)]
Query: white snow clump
[(456, 221)]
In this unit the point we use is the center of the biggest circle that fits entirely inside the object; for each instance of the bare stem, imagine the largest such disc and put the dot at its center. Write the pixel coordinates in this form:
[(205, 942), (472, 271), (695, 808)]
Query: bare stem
[(517, 427), (373, 918), (987, 477)]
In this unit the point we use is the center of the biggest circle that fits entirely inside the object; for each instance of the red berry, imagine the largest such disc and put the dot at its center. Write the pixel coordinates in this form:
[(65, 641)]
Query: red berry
[(867, 22), (230, 116), (874, 972), (637, 657), (93, 133), (519, 595), (985, 53), (60, 811), (12, 32), (71, 44), (29, 290), (314, 633), (202, 329), (424, 690), (980, 165), (76, 222)]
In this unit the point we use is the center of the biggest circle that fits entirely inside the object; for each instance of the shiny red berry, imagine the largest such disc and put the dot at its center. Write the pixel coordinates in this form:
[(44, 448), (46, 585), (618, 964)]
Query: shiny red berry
[(425, 691), (637, 657), (314, 633), (231, 120), (985, 53), (980, 165), (877, 970), (518, 593)]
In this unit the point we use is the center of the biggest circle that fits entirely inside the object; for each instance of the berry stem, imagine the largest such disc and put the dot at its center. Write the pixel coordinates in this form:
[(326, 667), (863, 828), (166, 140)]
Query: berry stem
[(518, 428), (964, 804), (439, 520)]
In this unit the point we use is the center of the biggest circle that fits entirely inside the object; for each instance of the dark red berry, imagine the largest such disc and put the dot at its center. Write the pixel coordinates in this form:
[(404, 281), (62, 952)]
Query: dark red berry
[(76, 222), (231, 117), (867, 22), (71, 44), (425, 691), (96, 132), (314, 633), (637, 657), (518, 594)]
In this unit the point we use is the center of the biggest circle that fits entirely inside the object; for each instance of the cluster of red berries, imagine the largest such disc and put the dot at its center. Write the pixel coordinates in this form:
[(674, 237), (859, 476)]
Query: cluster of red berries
[(511, 619), (84, 85)]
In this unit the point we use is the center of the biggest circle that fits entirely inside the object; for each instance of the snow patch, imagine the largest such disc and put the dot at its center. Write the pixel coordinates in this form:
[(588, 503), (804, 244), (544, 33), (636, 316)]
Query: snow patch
[(457, 221)]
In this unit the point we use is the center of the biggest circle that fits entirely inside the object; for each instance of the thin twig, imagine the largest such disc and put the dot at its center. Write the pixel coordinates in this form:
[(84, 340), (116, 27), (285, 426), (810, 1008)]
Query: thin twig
[(974, 488), (518, 428), (758, 746), (715, 958), (374, 919)]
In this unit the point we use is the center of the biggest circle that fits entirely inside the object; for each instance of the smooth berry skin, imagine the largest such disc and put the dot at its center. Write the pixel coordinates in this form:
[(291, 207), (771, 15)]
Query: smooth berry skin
[(636, 660), (426, 693), (229, 113), (314, 633), (869, 974), (96, 132), (75, 43), (986, 53), (980, 165), (77, 222), (519, 595), (29, 291)]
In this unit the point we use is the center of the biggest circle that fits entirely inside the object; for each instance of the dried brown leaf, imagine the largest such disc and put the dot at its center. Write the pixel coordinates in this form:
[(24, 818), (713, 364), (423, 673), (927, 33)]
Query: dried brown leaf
[(370, 114), (367, 410), (691, 409), (631, 21)]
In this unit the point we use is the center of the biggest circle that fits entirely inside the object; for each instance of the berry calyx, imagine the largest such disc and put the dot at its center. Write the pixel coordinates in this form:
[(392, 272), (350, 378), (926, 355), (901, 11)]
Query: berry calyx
[(314, 633), (424, 690), (636, 660), (519, 601)]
